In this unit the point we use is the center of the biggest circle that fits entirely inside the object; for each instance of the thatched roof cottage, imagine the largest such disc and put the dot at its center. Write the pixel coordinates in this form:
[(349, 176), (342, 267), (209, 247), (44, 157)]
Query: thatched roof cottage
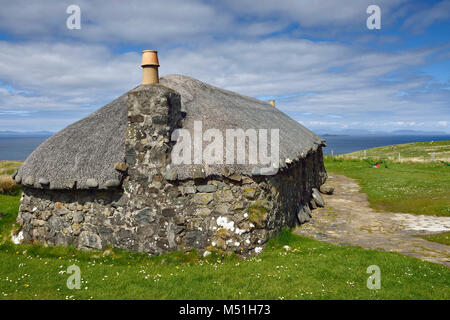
[(136, 175)]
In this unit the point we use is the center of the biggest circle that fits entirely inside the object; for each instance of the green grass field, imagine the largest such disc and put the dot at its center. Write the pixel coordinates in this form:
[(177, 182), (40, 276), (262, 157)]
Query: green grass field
[(8, 167), (441, 238), (415, 151), (307, 270), (421, 188)]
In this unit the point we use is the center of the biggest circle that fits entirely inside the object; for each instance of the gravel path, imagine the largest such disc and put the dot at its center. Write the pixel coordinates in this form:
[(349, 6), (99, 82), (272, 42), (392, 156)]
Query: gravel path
[(347, 219)]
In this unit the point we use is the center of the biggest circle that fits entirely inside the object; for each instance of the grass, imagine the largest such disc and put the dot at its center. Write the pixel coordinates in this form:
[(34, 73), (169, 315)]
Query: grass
[(443, 238), (8, 167), (420, 188), (308, 269), (416, 151), (9, 207)]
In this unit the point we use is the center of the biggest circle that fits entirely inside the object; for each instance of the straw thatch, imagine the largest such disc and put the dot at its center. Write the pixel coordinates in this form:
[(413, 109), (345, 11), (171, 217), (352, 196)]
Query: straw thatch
[(222, 109), (84, 154), (87, 149)]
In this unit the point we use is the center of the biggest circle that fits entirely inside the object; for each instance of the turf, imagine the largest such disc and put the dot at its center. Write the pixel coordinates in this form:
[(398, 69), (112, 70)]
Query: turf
[(420, 188), (308, 269), (415, 151)]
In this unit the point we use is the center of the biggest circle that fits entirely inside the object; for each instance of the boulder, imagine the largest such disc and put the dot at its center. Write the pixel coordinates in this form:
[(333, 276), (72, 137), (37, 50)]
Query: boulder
[(326, 189), (317, 198)]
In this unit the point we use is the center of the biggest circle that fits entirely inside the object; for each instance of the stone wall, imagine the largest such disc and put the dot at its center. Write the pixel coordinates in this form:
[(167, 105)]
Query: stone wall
[(234, 213), (154, 212)]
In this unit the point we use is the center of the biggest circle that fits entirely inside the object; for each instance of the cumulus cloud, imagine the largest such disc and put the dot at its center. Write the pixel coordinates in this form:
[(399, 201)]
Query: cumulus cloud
[(50, 72), (425, 17)]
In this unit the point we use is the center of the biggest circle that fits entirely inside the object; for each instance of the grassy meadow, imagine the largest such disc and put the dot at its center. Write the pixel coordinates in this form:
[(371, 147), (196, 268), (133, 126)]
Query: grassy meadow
[(420, 188), (412, 152), (306, 269)]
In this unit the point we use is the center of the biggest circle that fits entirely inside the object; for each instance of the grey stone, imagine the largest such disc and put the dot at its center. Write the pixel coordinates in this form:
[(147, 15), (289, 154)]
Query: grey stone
[(92, 183), (202, 198), (112, 183), (89, 240), (189, 189), (235, 177), (198, 173), (70, 183), (29, 181), (43, 181), (303, 215), (326, 189), (18, 179), (145, 216), (171, 174), (78, 217), (203, 211), (206, 188), (55, 223), (317, 198)]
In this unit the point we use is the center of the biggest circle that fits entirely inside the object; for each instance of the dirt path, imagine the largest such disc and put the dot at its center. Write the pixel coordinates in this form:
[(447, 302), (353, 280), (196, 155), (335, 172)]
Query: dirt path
[(347, 219)]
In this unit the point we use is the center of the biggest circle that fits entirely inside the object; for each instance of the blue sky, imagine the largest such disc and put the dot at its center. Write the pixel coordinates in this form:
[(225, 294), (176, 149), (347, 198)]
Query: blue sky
[(317, 59)]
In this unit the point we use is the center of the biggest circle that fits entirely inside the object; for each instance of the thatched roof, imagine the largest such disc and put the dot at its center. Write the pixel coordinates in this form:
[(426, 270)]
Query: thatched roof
[(88, 149), (222, 109)]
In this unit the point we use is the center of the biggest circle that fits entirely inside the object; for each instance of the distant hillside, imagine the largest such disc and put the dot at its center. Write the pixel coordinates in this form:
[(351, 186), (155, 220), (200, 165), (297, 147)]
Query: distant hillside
[(416, 151)]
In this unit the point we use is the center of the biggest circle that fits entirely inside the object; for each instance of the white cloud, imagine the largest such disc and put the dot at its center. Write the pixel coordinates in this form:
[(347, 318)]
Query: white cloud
[(425, 17)]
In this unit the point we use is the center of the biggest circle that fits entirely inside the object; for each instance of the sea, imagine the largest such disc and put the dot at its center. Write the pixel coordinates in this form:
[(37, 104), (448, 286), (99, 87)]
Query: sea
[(19, 148)]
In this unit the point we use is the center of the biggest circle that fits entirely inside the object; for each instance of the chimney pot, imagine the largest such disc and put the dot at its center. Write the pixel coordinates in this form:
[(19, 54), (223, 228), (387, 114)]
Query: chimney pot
[(272, 102), (150, 66)]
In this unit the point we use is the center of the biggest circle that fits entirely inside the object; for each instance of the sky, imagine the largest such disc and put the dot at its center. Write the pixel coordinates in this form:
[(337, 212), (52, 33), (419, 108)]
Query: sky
[(318, 59)]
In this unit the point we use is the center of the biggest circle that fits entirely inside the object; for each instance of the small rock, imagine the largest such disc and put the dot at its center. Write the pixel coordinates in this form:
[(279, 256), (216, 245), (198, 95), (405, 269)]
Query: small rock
[(202, 198), (206, 188), (70, 184), (43, 181), (89, 240), (303, 216), (249, 193), (112, 183), (29, 181), (121, 166), (171, 174), (198, 173), (78, 217), (92, 183), (235, 177), (189, 189), (203, 212), (326, 189), (317, 198), (312, 204)]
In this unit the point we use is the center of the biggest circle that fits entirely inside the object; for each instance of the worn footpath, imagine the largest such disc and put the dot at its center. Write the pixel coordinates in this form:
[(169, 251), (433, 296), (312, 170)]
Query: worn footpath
[(347, 219)]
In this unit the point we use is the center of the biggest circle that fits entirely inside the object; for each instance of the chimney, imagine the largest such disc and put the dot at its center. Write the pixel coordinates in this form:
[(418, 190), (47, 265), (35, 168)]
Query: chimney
[(272, 102), (150, 66)]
